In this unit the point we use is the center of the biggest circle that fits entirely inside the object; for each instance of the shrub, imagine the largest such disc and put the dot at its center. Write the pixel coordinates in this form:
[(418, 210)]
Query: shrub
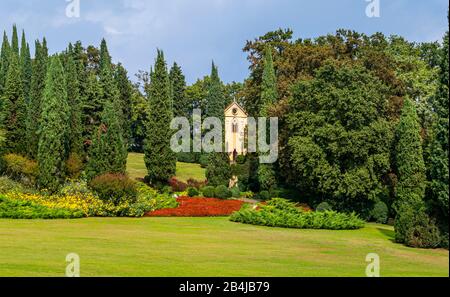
[(21, 168), (263, 195), (21, 209), (380, 212), (177, 186), (240, 159), (208, 191), (414, 228), (193, 183), (74, 165), (222, 192), (203, 160), (235, 192), (8, 185), (192, 192), (323, 206), (115, 188), (280, 212)]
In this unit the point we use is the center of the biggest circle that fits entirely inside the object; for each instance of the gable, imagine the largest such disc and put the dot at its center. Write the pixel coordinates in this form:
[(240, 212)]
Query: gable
[(235, 110)]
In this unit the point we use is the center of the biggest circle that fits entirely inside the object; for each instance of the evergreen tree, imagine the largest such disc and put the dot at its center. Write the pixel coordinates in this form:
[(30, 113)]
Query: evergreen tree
[(181, 107), (34, 108), (54, 125), (92, 106), (73, 98), (266, 172), (218, 171), (14, 109), (438, 161), (4, 61), (160, 160), (108, 151), (26, 67), (125, 94), (15, 41), (412, 223)]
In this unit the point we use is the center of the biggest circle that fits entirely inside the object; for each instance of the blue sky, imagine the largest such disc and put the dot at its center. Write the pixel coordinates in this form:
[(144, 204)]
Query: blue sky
[(193, 32)]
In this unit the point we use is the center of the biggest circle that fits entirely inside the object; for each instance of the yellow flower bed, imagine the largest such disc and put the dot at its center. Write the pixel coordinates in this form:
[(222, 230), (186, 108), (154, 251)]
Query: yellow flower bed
[(87, 203)]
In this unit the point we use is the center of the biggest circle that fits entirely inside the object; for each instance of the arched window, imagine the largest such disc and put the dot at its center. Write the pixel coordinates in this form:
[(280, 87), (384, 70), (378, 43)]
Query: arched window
[(234, 127)]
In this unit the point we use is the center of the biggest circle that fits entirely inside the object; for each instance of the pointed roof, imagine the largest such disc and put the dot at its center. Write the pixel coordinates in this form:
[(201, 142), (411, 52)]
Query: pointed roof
[(234, 103)]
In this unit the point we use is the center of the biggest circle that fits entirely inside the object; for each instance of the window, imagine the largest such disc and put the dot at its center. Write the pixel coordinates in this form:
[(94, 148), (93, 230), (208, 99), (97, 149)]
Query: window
[(234, 127)]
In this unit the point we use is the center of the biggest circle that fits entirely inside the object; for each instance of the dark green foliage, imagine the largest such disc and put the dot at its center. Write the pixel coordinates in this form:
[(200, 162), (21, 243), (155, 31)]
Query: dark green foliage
[(25, 67), (108, 153), (54, 129), (192, 192), (280, 213), (160, 160), (208, 191), (235, 192), (181, 107), (380, 212), (17, 209), (34, 107), (266, 177), (13, 112), (75, 105), (341, 140), (15, 42), (4, 61), (218, 171), (263, 195), (414, 227), (203, 160), (92, 106), (409, 157), (323, 206), (222, 192), (125, 99), (240, 159), (115, 188)]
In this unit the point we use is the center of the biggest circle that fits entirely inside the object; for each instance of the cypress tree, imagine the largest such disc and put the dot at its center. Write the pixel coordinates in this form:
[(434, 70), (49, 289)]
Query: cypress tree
[(15, 41), (159, 158), (181, 106), (125, 93), (412, 224), (218, 171), (14, 109), (108, 148), (34, 107), (92, 106), (26, 67), (54, 125), (266, 172), (73, 98), (4, 61)]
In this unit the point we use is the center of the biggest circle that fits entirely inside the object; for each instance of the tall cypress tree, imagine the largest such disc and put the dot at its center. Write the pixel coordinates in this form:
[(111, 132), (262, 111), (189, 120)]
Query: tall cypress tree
[(54, 125), (108, 148), (73, 96), (160, 160), (92, 106), (266, 172), (25, 67), (4, 61), (125, 93), (181, 106), (15, 41), (14, 109), (218, 171), (412, 224), (34, 108)]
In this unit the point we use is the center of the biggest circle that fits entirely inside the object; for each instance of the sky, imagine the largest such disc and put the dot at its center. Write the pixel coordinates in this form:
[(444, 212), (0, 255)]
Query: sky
[(195, 32)]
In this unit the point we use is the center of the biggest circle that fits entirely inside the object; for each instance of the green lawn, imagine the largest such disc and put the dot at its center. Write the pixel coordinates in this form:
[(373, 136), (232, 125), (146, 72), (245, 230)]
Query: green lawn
[(203, 247), (136, 168)]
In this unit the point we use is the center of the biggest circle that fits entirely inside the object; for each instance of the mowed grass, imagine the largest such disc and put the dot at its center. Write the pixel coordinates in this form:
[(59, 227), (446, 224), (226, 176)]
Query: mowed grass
[(204, 247), (136, 169)]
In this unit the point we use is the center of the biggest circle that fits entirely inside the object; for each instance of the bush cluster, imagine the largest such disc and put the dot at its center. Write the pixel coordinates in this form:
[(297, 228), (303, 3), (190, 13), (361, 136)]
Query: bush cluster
[(177, 186), (21, 168), (192, 192), (208, 191), (323, 206), (280, 212), (222, 192), (115, 188), (380, 212)]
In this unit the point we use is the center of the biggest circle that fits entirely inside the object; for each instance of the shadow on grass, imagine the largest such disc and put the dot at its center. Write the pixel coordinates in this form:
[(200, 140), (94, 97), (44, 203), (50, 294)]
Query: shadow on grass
[(390, 234)]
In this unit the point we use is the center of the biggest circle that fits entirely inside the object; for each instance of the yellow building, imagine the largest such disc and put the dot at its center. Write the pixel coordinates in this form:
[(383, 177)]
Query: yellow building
[(235, 126)]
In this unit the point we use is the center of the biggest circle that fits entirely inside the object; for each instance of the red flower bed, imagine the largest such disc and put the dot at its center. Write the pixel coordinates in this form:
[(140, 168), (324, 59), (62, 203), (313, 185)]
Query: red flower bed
[(199, 207)]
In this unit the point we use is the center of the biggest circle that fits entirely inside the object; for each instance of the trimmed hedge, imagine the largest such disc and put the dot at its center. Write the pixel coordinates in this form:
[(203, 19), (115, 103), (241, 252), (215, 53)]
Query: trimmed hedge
[(280, 212)]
